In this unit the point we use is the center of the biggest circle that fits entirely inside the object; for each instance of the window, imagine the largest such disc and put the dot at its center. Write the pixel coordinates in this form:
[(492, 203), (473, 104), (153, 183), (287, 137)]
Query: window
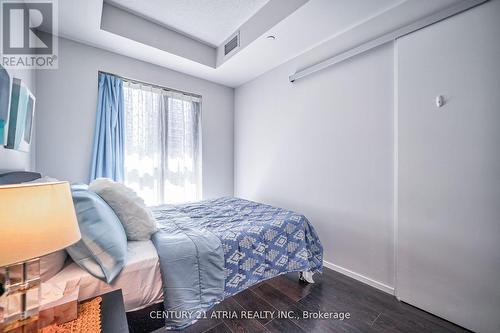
[(162, 144)]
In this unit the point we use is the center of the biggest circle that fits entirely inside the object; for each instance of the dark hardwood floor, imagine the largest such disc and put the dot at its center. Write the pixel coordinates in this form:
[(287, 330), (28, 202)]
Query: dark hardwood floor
[(370, 309)]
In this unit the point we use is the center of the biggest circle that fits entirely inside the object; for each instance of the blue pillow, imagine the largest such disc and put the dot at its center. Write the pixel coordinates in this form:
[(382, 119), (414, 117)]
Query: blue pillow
[(102, 250)]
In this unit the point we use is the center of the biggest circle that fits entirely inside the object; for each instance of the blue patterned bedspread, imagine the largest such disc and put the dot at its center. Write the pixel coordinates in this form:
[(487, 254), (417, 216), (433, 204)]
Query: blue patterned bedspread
[(257, 241)]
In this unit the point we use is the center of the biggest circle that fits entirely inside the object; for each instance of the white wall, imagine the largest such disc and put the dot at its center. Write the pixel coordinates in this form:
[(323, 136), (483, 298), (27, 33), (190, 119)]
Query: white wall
[(323, 146), (66, 108), (12, 159)]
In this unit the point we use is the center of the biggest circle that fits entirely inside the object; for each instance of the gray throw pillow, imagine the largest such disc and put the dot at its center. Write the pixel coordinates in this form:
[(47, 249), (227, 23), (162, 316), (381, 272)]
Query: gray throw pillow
[(102, 250)]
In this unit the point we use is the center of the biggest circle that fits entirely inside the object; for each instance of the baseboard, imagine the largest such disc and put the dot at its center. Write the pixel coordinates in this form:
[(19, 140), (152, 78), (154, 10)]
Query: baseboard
[(359, 277)]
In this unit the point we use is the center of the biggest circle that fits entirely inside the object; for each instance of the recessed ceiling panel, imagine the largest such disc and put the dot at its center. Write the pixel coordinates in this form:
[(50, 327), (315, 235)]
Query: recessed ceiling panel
[(326, 26), (210, 21)]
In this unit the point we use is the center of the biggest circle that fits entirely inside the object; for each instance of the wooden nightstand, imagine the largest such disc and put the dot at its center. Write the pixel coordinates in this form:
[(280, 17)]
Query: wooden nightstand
[(113, 317)]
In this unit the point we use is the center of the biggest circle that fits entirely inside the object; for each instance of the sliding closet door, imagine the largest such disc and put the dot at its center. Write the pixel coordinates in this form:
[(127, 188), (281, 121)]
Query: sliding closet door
[(448, 230)]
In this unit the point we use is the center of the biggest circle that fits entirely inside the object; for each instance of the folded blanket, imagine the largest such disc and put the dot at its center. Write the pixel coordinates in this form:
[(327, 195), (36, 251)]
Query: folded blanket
[(216, 248)]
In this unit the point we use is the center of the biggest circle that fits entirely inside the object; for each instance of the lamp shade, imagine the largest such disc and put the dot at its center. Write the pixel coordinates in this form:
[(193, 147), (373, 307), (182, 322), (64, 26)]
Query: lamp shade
[(35, 220)]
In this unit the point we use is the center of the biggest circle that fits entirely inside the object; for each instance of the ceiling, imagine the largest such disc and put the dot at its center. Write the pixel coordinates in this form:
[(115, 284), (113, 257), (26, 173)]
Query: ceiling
[(209, 21), (327, 26)]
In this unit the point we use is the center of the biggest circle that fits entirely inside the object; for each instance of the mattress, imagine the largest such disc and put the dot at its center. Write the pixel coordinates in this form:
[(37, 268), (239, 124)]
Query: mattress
[(140, 279)]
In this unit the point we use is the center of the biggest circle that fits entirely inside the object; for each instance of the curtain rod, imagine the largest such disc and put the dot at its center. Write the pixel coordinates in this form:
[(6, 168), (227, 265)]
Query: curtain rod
[(152, 85), (422, 23)]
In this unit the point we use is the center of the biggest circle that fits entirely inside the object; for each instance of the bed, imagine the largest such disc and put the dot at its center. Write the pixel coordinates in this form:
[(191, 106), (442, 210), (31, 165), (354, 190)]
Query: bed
[(202, 253), (216, 248)]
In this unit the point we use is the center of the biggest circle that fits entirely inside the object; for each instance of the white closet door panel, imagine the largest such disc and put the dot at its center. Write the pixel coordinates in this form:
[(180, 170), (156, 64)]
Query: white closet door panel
[(448, 253)]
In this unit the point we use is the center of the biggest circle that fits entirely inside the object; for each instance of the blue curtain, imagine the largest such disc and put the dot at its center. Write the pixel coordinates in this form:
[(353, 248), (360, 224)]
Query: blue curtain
[(107, 157)]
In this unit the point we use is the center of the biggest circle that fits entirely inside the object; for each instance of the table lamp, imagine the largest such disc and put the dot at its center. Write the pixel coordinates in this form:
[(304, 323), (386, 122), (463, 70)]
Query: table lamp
[(35, 220)]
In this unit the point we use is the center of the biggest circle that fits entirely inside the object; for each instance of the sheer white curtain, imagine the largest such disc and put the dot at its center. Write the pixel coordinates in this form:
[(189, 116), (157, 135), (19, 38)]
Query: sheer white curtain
[(162, 144)]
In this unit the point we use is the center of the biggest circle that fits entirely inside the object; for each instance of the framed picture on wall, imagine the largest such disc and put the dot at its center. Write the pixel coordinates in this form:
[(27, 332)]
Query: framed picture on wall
[(22, 109), (5, 91)]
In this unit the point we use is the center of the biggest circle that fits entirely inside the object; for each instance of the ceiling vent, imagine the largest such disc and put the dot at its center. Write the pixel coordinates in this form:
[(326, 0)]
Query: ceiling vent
[(232, 44)]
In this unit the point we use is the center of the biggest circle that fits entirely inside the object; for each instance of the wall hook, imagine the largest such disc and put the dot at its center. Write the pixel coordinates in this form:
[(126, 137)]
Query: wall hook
[(440, 101)]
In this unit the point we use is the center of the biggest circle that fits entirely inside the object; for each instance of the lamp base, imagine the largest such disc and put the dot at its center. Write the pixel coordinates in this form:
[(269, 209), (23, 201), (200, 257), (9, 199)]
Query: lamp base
[(20, 302)]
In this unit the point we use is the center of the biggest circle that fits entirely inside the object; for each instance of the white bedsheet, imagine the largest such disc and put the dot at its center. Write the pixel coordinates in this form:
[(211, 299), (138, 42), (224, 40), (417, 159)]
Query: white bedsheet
[(140, 279)]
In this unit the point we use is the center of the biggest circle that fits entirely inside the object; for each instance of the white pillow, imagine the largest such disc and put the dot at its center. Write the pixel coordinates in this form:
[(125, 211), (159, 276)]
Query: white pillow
[(51, 264), (135, 217)]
